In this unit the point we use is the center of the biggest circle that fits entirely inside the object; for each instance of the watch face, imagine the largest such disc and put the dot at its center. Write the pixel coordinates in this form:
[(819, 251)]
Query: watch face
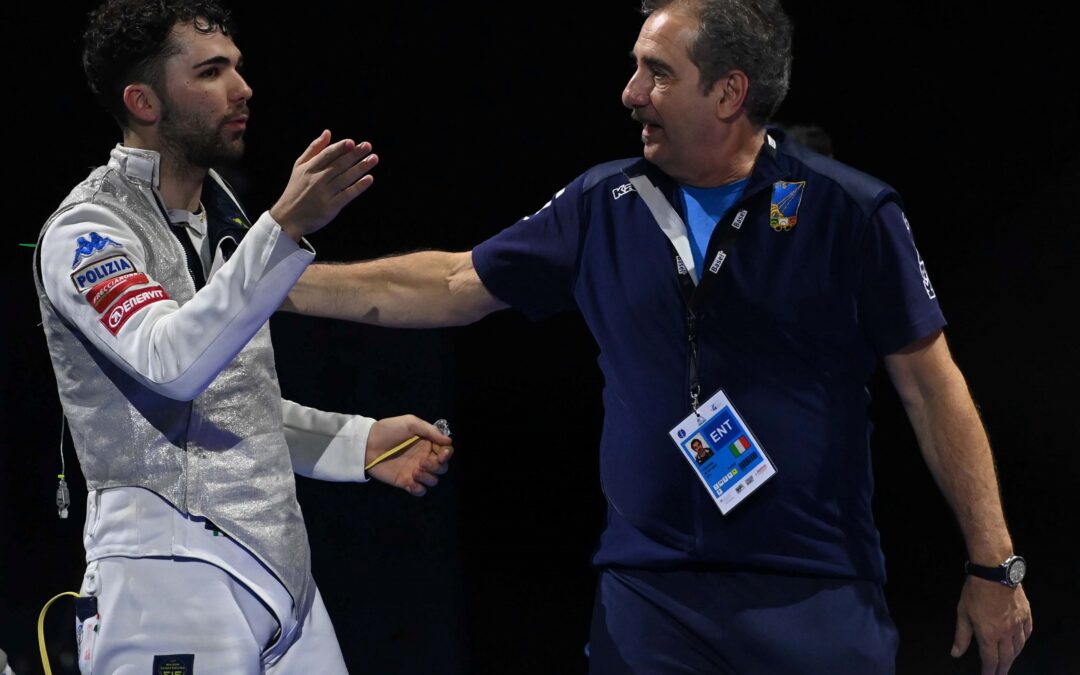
[(1016, 571)]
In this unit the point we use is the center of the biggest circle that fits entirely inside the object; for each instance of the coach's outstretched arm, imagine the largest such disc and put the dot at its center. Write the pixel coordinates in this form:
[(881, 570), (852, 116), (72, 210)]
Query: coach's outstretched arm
[(418, 290)]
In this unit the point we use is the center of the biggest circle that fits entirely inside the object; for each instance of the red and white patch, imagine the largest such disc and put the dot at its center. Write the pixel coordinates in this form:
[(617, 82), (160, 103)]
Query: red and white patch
[(130, 304), (103, 293)]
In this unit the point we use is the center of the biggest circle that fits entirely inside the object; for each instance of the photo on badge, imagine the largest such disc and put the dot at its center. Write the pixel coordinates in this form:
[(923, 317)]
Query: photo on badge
[(699, 449)]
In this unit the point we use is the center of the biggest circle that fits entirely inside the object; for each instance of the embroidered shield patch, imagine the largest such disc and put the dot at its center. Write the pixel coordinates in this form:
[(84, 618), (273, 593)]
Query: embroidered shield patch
[(784, 210)]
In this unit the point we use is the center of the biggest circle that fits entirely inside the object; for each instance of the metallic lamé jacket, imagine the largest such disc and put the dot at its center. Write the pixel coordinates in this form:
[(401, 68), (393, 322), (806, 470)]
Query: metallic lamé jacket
[(221, 456)]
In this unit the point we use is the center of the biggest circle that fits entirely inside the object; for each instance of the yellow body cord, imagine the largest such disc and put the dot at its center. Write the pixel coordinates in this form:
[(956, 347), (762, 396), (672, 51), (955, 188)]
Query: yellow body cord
[(41, 629), (391, 452)]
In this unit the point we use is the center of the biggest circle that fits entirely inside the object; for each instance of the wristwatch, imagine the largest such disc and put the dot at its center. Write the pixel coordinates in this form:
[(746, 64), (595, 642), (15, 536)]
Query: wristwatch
[(1010, 573)]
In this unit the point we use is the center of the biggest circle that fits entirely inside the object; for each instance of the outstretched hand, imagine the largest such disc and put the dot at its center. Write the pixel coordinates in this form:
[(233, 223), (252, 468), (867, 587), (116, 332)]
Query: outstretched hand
[(1000, 619), (418, 467), (324, 179)]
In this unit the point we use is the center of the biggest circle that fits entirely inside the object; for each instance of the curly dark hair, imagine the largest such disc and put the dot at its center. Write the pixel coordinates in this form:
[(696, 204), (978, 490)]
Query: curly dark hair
[(128, 41), (753, 36)]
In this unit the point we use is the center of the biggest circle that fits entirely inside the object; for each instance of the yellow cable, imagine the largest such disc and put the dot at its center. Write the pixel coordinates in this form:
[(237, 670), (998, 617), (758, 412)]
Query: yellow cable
[(41, 629), (392, 451)]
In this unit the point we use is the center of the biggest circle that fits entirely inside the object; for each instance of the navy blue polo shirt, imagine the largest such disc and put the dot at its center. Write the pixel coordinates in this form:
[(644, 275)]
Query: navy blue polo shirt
[(797, 319)]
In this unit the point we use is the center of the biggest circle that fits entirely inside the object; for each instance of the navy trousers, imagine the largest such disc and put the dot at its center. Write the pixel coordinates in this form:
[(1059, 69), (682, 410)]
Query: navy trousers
[(682, 623)]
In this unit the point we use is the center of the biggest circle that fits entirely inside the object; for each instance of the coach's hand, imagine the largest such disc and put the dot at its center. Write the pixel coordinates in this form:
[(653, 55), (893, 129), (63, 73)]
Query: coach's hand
[(1000, 619)]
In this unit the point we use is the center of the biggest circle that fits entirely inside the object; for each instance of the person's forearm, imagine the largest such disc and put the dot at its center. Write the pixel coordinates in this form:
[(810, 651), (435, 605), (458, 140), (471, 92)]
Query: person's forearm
[(957, 452), (419, 290)]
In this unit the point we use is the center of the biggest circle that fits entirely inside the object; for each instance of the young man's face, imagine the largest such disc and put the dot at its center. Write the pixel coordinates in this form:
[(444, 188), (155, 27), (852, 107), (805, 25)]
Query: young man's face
[(204, 107)]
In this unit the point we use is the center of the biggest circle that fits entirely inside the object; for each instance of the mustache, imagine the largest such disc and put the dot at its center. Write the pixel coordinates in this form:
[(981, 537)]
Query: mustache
[(243, 111)]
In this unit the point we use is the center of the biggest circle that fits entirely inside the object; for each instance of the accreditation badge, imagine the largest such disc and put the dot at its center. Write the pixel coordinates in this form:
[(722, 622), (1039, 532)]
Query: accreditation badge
[(724, 453)]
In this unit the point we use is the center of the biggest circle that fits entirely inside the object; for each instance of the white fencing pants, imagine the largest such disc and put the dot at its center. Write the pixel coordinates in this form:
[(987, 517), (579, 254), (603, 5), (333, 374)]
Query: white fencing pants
[(190, 617)]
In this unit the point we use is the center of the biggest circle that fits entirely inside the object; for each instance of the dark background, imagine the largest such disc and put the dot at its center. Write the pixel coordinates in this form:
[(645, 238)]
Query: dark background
[(479, 112)]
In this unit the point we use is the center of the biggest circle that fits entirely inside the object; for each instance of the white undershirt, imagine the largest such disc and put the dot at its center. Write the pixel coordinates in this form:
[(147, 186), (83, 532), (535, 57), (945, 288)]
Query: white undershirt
[(195, 226)]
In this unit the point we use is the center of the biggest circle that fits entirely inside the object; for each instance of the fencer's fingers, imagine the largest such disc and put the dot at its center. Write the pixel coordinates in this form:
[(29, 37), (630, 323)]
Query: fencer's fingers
[(353, 173), (430, 460), (330, 153), (416, 489), (314, 148), (443, 455), (425, 478), (344, 162), (342, 198), (436, 460), (425, 429)]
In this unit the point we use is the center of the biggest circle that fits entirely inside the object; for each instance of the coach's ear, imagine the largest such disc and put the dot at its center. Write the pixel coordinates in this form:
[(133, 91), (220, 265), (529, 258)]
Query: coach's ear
[(730, 92)]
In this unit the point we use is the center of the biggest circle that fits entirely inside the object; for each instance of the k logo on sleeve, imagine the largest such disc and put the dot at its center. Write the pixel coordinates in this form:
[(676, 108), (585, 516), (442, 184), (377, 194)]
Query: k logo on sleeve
[(84, 247)]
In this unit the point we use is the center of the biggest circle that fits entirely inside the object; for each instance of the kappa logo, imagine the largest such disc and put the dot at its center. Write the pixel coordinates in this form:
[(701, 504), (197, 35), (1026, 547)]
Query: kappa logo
[(130, 304), (101, 270), (930, 292), (623, 190), (84, 248)]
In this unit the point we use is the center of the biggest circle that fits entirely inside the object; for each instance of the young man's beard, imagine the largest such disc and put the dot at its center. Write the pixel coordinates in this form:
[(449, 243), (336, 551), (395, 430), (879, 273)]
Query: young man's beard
[(191, 142)]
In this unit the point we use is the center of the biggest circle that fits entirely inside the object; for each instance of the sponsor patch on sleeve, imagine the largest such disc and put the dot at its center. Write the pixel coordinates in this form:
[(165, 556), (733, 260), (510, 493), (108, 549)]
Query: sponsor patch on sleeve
[(130, 304), (104, 292), (95, 272), (86, 247)]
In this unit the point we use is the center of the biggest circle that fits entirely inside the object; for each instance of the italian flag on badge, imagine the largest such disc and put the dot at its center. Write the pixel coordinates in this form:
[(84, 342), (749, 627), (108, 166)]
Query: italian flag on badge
[(740, 446)]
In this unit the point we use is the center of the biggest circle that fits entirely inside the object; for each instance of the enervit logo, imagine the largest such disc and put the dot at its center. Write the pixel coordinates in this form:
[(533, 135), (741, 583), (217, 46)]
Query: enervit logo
[(129, 304)]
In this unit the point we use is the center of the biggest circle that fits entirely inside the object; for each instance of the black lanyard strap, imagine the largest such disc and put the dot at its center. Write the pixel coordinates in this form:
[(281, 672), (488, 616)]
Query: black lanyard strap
[(695, 296), (695, 288)]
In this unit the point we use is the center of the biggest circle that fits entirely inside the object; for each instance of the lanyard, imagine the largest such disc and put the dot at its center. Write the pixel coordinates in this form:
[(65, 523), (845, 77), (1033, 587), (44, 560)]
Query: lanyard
[(694, 296), (693, 291)]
